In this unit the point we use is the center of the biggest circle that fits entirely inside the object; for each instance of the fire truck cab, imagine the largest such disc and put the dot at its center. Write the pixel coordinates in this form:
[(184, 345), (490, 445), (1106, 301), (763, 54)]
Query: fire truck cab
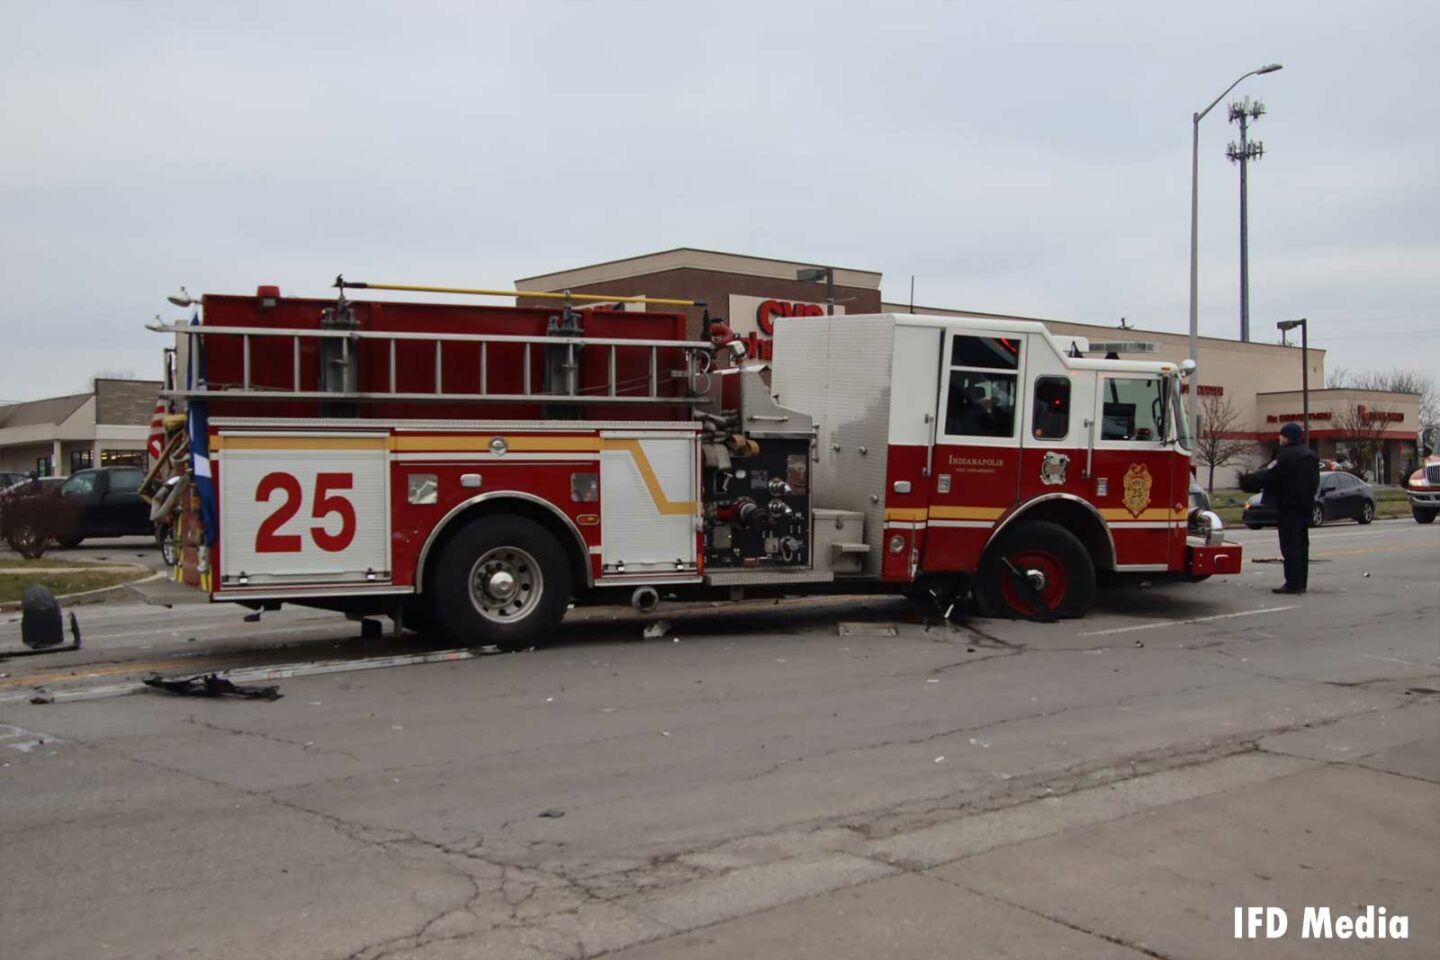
[(479, 468)]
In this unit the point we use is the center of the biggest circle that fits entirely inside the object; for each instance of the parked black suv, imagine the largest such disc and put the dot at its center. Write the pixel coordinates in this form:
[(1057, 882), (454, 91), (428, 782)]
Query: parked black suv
[(103, 502)]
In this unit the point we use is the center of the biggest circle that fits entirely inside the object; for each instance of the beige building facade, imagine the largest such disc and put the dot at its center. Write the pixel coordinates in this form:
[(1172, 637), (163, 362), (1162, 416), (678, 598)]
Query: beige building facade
[(1239, 385), (58, 435)]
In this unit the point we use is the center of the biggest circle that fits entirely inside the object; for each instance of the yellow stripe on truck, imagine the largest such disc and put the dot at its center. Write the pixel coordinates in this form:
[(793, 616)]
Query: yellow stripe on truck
[(1158, 513), (480, 443), (234, 442), (967, 513), (665, 505)]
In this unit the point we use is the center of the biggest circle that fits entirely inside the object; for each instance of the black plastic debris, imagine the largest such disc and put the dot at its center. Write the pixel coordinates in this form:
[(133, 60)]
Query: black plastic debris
[(212, 685), (552, 813), (41, 624)]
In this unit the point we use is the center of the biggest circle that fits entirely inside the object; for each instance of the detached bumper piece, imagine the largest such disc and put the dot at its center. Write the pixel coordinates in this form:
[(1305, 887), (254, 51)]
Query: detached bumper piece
[(211, 685), (1204, 560)]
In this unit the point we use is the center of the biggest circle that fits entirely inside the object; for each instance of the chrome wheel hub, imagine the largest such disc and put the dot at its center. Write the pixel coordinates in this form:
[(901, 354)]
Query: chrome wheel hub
[(505, 584), (1036, 578)]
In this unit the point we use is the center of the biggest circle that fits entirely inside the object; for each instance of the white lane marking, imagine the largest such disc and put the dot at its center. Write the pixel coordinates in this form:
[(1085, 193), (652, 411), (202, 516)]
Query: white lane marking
[(1176, 623), (284, 671), (1314, 534), (1412, 663)]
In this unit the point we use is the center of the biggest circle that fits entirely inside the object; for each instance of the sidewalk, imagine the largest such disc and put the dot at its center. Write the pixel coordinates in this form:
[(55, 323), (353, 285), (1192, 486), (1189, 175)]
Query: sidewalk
[(1342, 816)]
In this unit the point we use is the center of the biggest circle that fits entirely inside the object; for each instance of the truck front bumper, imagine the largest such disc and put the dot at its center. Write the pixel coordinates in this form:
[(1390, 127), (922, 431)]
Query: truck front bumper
[(1424, 498), (1204, 559)]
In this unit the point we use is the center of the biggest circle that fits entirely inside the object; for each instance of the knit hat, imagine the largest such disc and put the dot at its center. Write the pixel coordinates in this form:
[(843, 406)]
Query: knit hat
[(1292, 432)]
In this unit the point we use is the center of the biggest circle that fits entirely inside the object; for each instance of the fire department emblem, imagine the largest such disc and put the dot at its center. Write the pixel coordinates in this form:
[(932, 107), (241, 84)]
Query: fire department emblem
[(1052, 469), (1137, 488)]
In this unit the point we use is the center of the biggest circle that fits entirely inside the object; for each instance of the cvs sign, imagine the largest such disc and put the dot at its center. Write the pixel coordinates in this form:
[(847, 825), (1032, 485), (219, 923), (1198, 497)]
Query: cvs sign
[(768, 310)]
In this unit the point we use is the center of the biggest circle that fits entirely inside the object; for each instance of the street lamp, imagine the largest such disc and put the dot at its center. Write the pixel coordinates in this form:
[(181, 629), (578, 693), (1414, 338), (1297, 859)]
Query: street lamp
[(1195, 219), (1304, 326), (815, 274)]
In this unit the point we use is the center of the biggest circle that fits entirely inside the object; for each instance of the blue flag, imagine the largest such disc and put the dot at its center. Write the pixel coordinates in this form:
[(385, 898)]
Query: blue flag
[(198, 426)]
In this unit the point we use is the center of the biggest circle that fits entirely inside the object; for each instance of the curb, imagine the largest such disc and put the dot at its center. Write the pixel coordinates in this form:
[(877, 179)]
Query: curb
[(90, 596)]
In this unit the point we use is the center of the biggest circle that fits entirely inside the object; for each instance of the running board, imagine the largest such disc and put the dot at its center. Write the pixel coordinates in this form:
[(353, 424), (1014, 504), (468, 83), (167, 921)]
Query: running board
[(767, 576)]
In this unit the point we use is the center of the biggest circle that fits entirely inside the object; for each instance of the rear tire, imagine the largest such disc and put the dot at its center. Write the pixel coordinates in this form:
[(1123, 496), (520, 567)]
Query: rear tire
[(1423, 516), (1367, 512), (1055, 560), (169, 549), (1253, 526), (1317, 516), (500, 580), (27, 540), (70, 544)]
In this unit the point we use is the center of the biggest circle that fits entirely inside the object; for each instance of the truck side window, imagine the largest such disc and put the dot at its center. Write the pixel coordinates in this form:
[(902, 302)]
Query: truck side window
[(1133, 409), (1052, 408), (981, 403), (80, 485), (986, 353), (125, 480)]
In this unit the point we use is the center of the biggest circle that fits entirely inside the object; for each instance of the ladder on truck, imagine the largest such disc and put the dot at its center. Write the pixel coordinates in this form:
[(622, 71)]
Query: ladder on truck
[(338, 347)]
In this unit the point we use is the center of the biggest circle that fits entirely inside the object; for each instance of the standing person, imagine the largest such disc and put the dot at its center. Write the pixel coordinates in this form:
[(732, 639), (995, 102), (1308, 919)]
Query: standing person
[(1289, 485)]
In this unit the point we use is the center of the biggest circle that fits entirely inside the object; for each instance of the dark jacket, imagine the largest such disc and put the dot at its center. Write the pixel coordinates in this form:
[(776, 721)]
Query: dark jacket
[(1290, 484)]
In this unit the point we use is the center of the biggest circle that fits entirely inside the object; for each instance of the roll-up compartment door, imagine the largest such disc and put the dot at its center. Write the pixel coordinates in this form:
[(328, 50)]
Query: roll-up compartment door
[(304, 508)]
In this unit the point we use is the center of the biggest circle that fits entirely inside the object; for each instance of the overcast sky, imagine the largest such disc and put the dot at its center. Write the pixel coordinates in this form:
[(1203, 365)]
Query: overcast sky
[(1029, 158)]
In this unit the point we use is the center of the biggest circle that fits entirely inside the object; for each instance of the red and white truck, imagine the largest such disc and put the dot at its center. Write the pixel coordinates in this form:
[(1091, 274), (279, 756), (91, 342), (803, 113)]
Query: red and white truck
[(480, 468)]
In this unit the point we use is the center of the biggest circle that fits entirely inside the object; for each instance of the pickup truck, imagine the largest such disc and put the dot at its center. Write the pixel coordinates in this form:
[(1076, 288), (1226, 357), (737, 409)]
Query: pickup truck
[(101, 502), (1423, 489)]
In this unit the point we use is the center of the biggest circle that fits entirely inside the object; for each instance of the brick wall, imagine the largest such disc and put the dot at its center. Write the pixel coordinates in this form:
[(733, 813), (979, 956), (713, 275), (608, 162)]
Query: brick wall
[(125, 402)]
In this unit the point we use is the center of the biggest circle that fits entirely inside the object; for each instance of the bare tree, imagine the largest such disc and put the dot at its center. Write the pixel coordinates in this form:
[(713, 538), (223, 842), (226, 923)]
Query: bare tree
[(1222, 439), (1361, 429), (1394, 381)]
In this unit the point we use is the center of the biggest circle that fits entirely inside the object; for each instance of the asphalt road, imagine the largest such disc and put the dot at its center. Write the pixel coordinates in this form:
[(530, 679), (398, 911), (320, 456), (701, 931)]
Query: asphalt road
[(826, 779)]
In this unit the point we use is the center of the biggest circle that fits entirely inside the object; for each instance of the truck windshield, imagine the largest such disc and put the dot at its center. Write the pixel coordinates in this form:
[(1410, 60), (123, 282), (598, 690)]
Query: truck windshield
[(1181, 415)]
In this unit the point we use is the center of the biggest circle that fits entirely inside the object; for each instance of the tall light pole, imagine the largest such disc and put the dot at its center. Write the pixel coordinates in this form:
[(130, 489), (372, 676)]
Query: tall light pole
[(1304, 326), (813, 274), (1195, 223), (1244, 114)]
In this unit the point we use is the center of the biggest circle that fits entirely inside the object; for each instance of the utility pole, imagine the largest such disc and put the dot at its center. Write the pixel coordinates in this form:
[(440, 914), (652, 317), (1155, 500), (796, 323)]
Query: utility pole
[(1244, 112)]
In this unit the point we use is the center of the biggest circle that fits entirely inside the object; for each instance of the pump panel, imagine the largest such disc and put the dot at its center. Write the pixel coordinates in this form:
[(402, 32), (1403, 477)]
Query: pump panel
[(757, 508)]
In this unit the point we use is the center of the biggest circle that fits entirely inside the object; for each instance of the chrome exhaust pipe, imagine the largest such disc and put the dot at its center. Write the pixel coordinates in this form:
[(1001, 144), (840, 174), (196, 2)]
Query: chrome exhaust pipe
[(645, 599)]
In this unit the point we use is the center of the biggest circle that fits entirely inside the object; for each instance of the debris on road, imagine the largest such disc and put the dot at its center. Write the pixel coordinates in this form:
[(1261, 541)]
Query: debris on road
[(552, 813), (42, 697), (211, 685), (866, 629), (42, 626), (657, 629)]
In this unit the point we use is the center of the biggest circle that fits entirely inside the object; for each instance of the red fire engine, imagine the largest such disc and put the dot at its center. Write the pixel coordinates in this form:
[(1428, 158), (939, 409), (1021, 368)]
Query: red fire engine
[(478, 468)]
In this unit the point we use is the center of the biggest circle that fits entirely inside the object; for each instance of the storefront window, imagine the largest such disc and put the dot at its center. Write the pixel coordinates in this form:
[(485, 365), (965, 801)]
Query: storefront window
[(81, 459), (122, 458), (43, 467)]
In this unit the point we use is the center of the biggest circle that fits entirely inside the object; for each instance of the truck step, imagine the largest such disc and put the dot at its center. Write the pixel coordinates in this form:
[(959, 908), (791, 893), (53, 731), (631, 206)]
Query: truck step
[(861, 548), (767, 575), (168, 593)]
